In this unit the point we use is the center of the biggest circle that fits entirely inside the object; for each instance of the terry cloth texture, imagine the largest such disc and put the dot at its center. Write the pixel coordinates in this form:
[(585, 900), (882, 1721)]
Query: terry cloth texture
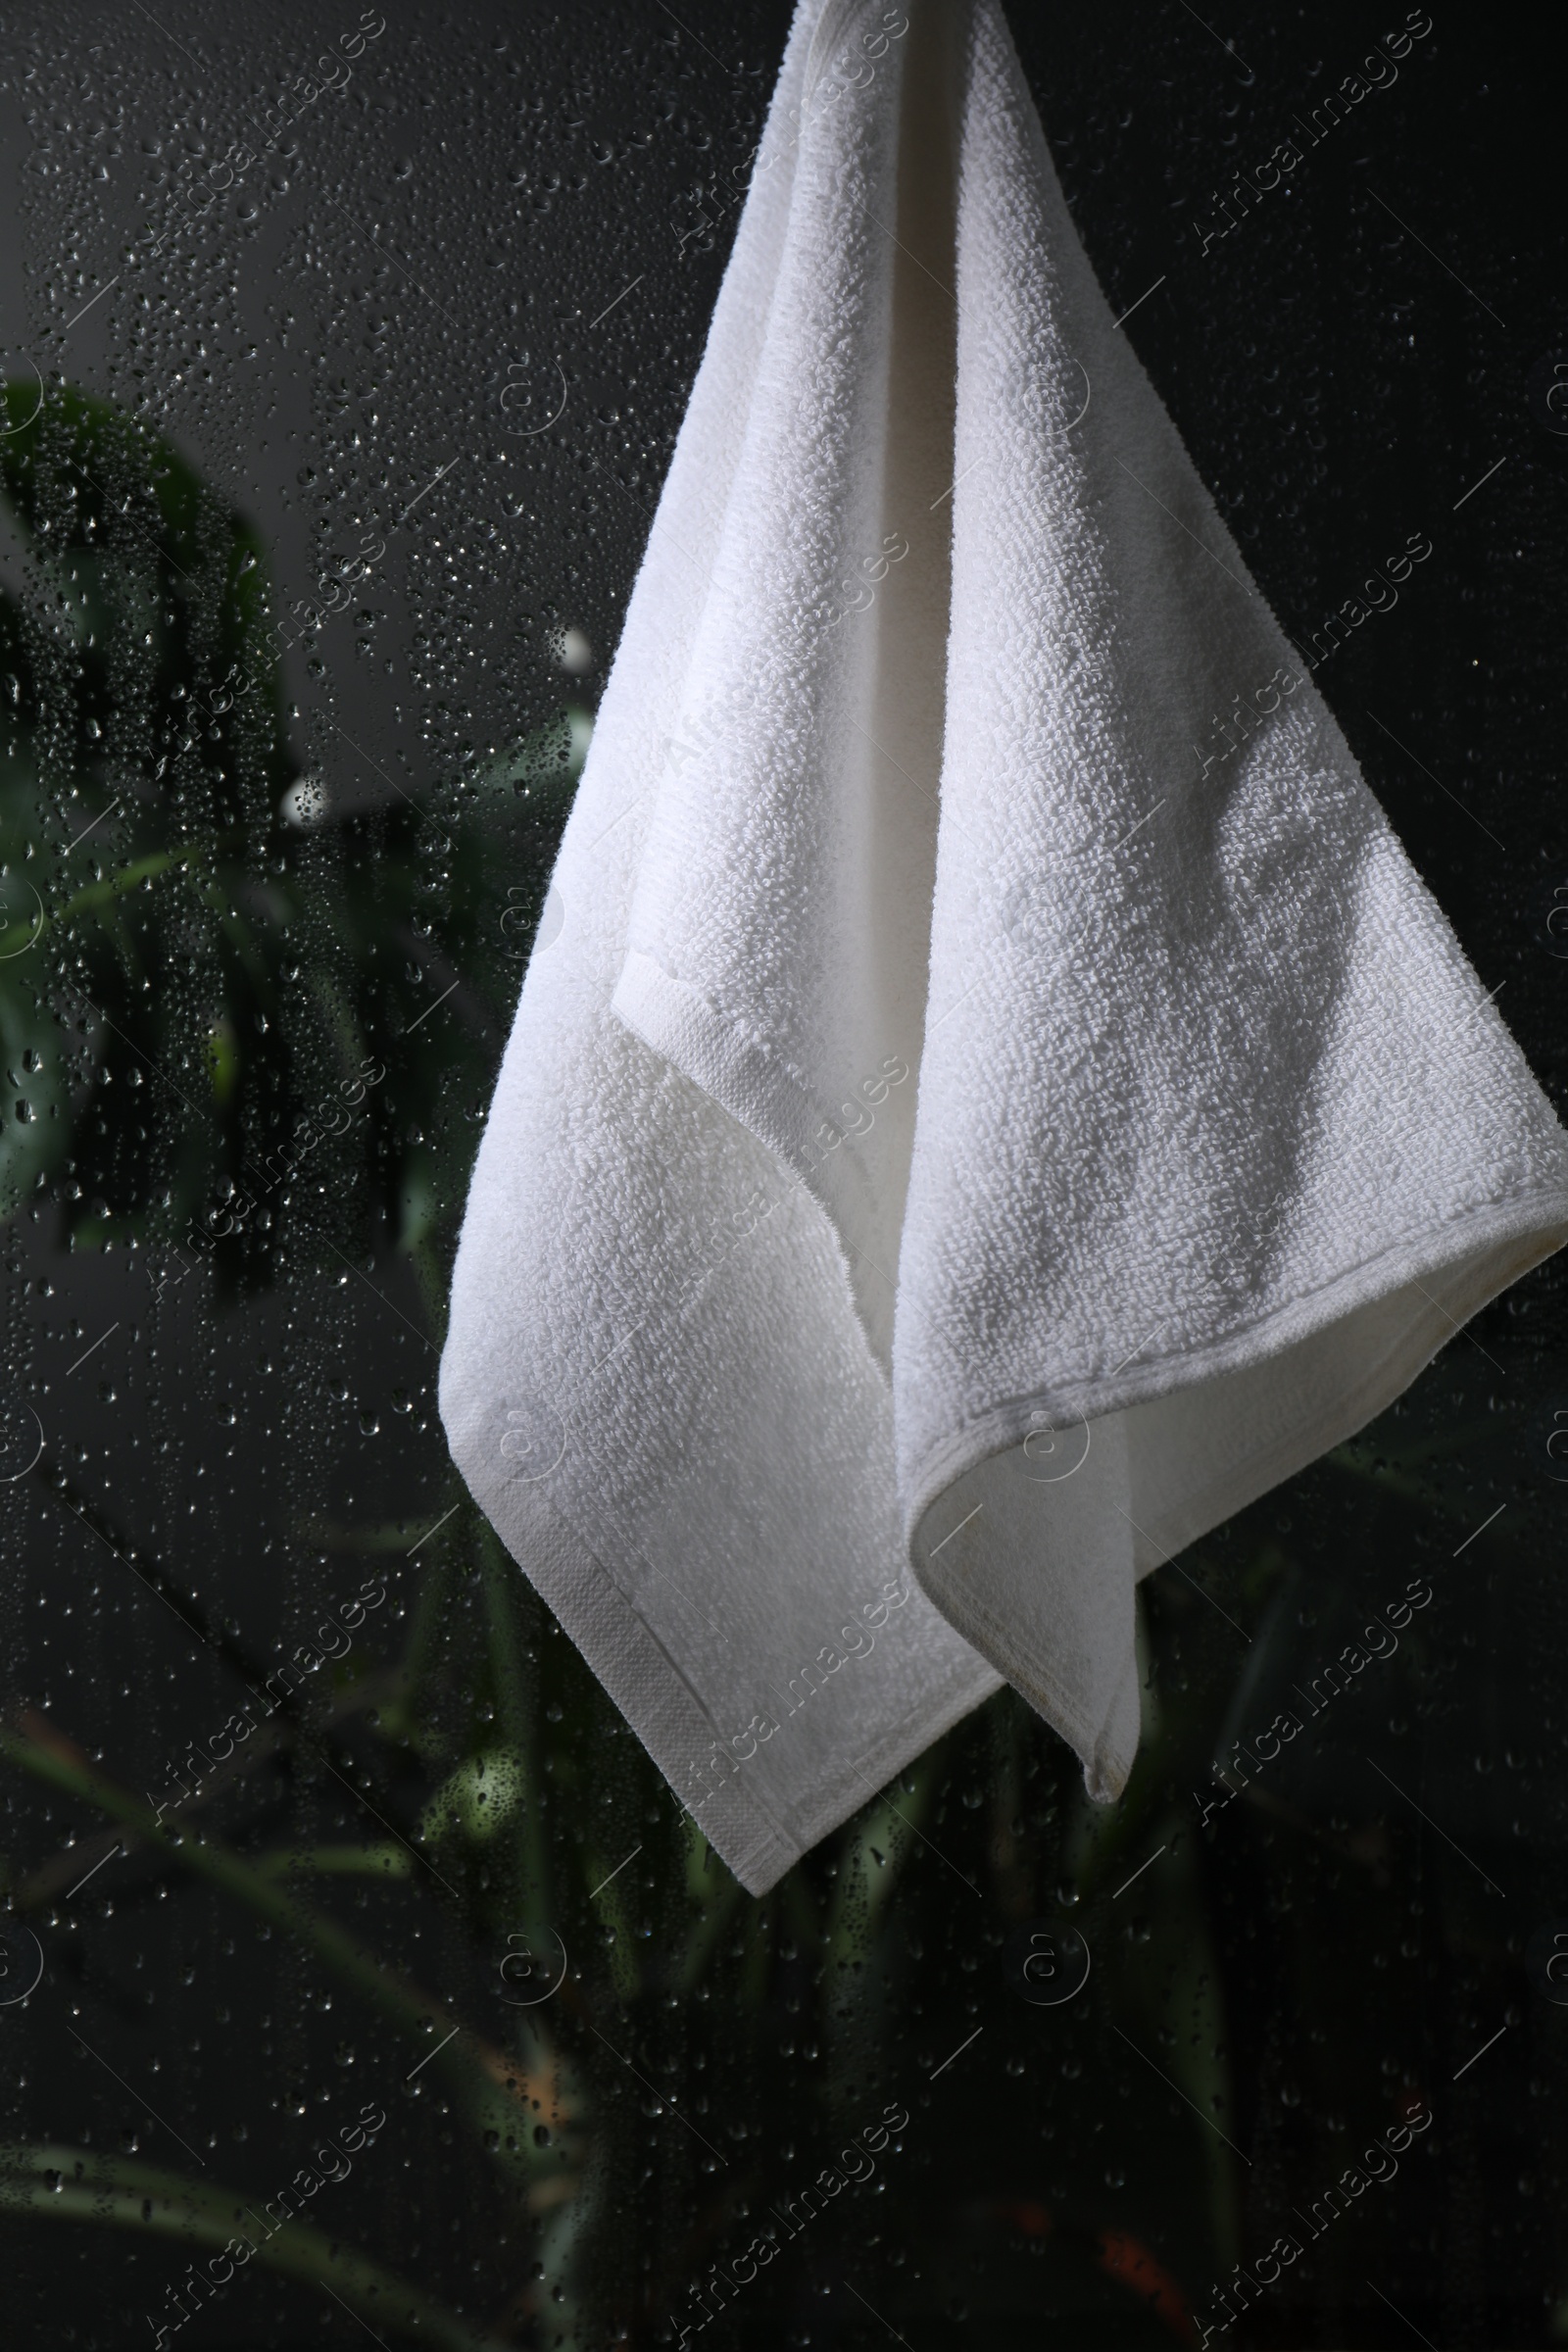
[(959, 1139)]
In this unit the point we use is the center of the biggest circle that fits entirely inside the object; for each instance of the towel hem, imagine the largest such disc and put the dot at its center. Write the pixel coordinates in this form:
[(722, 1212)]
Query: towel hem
[(732, 1063), (1386, 1378), (670, 1721), (746, 1078), (1479, 1235)]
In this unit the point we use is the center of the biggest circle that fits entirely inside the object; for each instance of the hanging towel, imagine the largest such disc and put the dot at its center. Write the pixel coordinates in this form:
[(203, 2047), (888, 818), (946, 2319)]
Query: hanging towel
[(990, 1096)]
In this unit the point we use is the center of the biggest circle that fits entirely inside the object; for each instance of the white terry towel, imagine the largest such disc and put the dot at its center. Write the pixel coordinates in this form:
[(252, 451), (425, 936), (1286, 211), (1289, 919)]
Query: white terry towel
[(968, 1107)]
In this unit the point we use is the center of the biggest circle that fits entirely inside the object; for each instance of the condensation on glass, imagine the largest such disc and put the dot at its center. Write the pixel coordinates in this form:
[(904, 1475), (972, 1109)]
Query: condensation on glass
[(359, 1971)]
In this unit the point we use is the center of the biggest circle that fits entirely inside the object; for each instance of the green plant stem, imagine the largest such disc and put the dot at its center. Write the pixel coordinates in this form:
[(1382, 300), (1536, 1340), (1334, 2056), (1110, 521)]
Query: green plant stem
[(413, 2012), (337, 1861), (705, 1936), (431, 1276), (250, 1670), (115, 886), (142, 2197), (510, 1672), (401, 1717), (859, 1895), (54, 1879), (331, 1534)]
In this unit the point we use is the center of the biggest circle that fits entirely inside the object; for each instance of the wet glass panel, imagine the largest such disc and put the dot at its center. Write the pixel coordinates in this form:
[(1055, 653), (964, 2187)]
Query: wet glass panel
[(360, 1973)]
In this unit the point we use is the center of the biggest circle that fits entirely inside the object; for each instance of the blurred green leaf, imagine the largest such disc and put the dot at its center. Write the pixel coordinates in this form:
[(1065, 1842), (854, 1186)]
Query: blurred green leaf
[(227, 1022)]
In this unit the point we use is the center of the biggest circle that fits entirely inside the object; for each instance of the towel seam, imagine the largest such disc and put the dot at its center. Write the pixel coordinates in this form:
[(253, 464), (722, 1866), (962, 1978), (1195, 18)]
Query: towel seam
[(755, 1042), (1203, 1359), (967, 1682), (1310, 1443), (637, 1625), (956, 1690), (945, 1474)]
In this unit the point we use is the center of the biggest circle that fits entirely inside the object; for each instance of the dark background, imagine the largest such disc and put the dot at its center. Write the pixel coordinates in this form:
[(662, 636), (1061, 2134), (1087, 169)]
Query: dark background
[(1326, 1951)]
